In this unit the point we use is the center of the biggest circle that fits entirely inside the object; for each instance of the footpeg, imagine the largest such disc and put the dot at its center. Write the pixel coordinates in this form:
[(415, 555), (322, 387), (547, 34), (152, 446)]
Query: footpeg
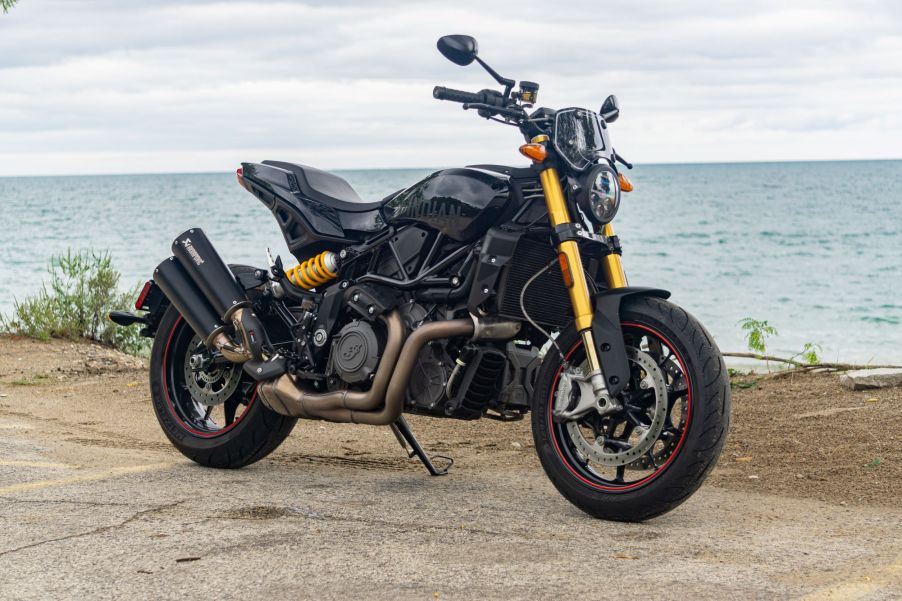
[(410, 444)]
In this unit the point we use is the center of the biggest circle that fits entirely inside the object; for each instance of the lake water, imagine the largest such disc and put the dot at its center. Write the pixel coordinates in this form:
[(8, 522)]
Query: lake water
[(814, 248)]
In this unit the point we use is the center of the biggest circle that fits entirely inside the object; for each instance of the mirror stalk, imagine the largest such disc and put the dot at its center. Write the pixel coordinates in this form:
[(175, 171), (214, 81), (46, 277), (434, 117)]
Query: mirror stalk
[(507, 83)]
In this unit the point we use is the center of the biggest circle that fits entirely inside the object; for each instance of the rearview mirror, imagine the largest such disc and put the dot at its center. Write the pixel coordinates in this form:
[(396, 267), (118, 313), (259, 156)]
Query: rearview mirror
[(459, 49), (610, 109)]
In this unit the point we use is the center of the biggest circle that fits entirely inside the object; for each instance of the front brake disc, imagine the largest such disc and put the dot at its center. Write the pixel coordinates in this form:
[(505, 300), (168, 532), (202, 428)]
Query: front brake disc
[(598, 449), (670, 437)]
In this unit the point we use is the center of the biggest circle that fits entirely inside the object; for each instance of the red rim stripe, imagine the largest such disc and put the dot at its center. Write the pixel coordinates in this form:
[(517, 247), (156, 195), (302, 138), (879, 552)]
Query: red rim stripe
[(676, 451), (175, 414)]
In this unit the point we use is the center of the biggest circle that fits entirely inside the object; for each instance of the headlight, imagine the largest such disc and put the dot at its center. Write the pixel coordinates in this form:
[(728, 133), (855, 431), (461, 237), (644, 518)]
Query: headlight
[(600, 196)]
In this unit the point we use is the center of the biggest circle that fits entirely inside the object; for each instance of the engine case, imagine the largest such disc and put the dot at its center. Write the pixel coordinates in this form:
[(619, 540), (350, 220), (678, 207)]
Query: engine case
[(355, 352)]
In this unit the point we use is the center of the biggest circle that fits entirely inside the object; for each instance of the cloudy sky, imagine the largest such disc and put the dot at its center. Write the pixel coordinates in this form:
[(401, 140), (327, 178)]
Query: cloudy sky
[(119, 86)]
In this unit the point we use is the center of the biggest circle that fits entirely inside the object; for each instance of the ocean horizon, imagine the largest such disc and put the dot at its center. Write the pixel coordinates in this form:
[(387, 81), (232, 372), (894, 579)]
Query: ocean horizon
[(434, 168), (811, 246)]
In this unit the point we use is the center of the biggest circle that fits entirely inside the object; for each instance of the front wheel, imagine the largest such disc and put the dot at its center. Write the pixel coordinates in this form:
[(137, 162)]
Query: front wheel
[(652, 455)]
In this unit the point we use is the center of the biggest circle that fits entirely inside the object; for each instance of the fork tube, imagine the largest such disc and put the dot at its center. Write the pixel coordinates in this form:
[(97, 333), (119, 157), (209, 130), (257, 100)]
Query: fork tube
[(558, 214), (579, 291), (611, 264)]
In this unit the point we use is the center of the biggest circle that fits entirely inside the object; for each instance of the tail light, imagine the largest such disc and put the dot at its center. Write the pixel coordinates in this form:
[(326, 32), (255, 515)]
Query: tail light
[(139, 304), (240, 173)]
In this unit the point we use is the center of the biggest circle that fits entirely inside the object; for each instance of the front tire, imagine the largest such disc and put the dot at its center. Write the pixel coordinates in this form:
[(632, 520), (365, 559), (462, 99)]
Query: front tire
[(218, 420), (696, 410)]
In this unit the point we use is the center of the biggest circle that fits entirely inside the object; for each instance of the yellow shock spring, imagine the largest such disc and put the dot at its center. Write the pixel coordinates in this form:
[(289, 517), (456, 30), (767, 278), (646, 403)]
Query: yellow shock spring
[(314, 272)]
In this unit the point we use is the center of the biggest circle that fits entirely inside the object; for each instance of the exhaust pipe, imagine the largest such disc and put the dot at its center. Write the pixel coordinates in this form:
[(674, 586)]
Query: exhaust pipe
[(284, 394), (202, 287)]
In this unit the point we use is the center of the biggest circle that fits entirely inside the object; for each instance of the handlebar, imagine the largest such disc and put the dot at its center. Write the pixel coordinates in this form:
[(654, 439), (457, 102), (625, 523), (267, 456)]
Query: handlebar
[(488, 103), (441, 93)]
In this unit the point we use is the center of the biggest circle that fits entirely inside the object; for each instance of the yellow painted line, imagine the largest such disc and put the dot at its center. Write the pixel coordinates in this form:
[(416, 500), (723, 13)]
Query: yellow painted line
[(861, 586), (104, 475), (42, 464)]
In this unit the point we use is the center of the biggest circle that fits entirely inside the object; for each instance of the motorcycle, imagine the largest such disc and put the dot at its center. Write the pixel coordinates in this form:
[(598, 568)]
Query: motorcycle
[(482, 291)]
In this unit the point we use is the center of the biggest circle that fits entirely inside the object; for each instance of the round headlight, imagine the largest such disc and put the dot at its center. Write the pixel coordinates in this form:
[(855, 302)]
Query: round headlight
[(600, 197)]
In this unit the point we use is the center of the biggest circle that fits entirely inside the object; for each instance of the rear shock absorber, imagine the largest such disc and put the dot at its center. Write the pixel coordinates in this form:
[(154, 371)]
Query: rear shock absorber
[(315, 271)]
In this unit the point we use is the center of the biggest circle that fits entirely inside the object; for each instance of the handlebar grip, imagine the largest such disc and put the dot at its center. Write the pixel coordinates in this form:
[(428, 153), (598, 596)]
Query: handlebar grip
[(441, 93)]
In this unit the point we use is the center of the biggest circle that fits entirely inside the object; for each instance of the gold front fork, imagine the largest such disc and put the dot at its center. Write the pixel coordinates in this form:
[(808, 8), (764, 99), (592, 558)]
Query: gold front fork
[(612, 265), (579, 290)]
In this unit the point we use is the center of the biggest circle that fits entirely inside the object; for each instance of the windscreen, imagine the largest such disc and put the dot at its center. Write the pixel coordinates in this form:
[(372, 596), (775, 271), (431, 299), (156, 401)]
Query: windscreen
[(577, 137)]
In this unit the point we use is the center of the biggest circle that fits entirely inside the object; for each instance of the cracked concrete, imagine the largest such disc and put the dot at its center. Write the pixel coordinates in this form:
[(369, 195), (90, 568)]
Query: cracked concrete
[(333, 533), (97, 530), (338, 512)]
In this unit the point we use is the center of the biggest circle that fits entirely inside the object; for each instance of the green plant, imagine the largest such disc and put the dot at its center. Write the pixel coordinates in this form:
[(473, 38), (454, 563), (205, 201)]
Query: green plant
[(744, 385), (756, 334), (7, 4), (810, 353), (809, 358), (33, 381), (83, 288)]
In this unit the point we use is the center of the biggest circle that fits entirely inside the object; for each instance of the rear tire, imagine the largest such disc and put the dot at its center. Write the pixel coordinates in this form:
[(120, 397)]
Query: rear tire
[(252, 433), (694, 447)]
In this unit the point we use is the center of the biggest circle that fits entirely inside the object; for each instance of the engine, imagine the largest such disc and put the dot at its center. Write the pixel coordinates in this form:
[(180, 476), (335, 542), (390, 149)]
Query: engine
[(453, 378), (463, 387), (465, 380)]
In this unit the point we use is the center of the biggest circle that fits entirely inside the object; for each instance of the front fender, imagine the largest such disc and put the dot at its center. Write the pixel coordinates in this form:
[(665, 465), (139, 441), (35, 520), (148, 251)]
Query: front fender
[(609, 337)]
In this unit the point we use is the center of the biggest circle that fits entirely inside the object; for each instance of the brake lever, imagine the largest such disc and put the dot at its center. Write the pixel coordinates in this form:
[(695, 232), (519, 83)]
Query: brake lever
[(500, 110), (622, 160)]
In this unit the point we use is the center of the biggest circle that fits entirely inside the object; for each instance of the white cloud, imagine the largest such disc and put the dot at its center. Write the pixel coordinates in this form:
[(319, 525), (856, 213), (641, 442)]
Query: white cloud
[(125, 86)]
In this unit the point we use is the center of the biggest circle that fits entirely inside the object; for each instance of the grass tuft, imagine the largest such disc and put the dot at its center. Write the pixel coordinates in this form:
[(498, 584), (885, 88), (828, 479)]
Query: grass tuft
[(83, 288)]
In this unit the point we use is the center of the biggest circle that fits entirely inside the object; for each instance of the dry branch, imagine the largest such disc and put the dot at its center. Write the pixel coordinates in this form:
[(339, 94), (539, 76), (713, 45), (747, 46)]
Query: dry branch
[(801, 366)]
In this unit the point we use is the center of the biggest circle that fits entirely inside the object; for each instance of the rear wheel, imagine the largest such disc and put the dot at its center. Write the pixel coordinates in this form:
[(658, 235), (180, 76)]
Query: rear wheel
[(652, 455), (209, 411)]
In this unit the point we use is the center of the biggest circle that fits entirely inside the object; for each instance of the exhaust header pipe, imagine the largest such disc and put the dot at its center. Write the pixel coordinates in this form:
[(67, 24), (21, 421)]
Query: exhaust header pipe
[(384, 402)]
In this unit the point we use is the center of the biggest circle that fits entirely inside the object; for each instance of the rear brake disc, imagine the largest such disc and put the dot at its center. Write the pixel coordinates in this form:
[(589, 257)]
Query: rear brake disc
[(212, 385)]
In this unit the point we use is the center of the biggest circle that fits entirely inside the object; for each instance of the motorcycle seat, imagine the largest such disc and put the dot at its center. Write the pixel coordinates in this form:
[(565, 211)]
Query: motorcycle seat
[(327, 188)]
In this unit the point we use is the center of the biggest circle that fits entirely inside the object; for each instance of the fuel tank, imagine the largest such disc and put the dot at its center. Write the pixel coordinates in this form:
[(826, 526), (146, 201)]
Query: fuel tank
[(462, 203)]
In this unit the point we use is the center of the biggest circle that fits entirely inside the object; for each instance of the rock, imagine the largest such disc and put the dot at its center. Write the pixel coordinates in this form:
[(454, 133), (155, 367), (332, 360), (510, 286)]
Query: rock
[(863, 379)]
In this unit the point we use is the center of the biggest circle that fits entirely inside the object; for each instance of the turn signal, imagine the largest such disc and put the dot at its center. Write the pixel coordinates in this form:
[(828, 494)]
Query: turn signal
[(625, 184), (565, 270), (536, 152)]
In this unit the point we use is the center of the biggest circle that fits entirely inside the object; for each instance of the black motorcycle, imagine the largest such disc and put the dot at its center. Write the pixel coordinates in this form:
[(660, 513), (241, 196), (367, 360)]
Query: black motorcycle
[(482, 291)]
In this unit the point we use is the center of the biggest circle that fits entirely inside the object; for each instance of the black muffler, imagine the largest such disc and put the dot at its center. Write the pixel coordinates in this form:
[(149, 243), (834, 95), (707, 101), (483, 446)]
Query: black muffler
[(213, 277), (204, 290), (185, 296)]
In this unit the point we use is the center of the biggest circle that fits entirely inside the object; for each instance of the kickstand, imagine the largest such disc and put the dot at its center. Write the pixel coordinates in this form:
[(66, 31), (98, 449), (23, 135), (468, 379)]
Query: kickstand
[(405, 436)]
